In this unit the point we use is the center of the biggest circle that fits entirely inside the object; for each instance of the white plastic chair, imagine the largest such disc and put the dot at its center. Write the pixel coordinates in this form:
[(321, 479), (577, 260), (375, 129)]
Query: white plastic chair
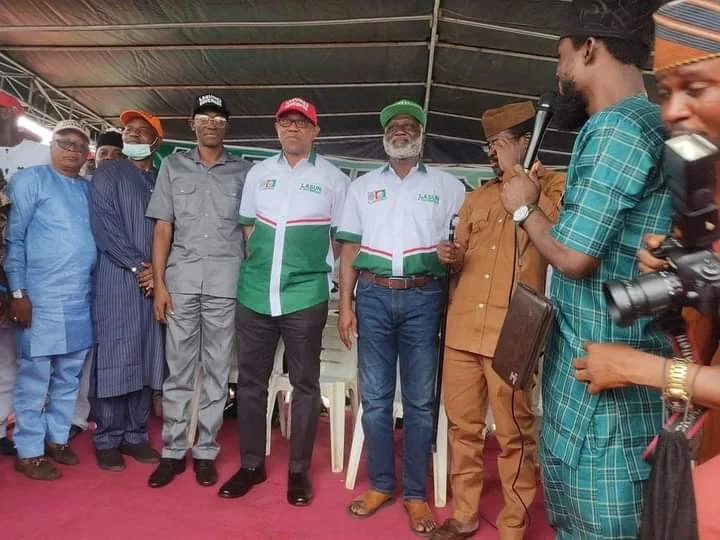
[(338, 377), (440, 457)]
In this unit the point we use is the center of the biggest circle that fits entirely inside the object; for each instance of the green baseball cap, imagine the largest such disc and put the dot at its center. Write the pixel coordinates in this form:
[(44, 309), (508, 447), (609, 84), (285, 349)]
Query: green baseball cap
[(404, 106)]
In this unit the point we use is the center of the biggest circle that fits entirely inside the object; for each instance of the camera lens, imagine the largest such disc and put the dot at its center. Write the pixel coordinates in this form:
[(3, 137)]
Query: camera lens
[(649, 294)]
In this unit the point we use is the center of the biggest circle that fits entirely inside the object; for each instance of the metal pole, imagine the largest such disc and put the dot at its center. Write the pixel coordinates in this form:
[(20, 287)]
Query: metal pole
[(441, 341)]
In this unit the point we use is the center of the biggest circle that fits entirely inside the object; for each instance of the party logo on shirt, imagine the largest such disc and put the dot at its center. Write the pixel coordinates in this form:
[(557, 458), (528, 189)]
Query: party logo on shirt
[(429, 198), (312, 188), (268, 183), (377, 196)]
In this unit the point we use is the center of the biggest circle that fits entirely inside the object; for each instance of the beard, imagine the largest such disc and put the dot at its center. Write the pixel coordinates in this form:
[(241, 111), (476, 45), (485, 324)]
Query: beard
[(402, 150), (570, 107)]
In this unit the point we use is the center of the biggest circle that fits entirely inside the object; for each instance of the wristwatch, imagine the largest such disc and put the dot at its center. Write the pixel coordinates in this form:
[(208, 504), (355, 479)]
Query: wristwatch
[(18, 294), (522, 213)]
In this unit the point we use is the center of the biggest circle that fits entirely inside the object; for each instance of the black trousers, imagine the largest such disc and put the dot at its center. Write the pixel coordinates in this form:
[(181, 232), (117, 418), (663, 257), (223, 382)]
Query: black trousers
[(258, 337)]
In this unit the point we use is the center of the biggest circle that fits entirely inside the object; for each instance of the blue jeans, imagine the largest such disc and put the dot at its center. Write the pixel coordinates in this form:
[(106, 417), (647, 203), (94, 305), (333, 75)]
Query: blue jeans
[(394, 323), (45, 393)]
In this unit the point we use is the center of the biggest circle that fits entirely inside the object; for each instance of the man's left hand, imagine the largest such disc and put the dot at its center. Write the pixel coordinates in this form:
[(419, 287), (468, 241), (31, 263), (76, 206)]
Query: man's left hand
[(605, 366), (521, 190)]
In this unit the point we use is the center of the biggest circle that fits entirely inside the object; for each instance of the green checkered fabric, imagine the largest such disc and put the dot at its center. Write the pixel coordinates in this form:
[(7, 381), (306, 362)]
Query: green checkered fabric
[(615, 194), (596, 499)]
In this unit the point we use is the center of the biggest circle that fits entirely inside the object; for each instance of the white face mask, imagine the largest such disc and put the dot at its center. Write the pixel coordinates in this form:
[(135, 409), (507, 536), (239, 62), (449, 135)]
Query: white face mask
[(403, 150), (136, 151)]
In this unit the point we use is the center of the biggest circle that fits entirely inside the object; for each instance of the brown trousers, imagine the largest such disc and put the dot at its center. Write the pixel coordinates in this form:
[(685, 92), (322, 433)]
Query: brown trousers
[(468, 382)]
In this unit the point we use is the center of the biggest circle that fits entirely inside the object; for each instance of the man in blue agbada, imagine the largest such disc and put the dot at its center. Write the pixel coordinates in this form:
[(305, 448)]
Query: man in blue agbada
[(129, 360), (50, 256)]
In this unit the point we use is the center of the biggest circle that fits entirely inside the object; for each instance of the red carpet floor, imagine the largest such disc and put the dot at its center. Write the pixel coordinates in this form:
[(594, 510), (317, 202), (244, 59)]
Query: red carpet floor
[(88, 503)]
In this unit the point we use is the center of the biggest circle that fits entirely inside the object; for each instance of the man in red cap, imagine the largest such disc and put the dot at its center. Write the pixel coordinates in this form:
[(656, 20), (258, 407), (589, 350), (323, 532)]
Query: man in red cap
[(16, 153), (290, 207)]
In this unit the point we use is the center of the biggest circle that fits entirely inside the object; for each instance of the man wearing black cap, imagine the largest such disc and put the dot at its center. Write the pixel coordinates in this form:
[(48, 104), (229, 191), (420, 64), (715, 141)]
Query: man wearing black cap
[(591, 445), (128, 363), (197, 249), (109, 147)]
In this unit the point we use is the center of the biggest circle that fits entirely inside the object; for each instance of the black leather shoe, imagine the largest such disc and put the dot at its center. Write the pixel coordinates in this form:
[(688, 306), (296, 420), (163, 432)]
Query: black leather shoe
[(141, 452), (110, 459), (242, 481), (299, 491), (166, 471), (7, 447), (205, 472)]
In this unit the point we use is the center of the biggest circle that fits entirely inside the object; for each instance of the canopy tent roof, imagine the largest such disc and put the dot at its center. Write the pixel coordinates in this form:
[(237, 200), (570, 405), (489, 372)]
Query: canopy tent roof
[(93, 59)]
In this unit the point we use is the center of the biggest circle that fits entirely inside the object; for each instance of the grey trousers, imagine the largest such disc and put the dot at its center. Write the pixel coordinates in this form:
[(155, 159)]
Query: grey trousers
[(258, 337), (8, 370), (200, 335)]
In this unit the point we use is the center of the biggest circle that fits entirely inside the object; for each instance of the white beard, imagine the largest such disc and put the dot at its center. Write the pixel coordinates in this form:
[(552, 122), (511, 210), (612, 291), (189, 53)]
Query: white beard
[(404, 151)]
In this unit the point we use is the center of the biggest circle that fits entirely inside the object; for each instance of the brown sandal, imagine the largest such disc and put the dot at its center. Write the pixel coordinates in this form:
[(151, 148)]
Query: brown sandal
[(419, 514), (369, 503)]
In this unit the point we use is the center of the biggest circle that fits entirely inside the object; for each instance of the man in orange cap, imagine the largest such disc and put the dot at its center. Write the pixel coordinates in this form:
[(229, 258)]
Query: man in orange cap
[(129, 361), (482, 261)]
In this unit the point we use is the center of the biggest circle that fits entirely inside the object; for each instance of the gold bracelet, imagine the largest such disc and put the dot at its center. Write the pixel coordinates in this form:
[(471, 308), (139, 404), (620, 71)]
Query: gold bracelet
[(676, 392)]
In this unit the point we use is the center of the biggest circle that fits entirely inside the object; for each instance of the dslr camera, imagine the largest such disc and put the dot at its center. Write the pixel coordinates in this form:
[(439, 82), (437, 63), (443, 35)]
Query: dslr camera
[(693, 277)]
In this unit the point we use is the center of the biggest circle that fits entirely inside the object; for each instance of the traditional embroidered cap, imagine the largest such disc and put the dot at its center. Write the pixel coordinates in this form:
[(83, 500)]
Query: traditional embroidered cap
[(686, 31), (210, 102), (110, 138), (404, 106), (71, 125), (151, 119), (496, 120), (298, 105), (630, 20), (8, 101)]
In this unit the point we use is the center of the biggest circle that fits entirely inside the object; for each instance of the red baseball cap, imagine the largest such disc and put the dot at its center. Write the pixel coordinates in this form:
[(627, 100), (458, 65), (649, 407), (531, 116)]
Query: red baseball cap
[(298, 105), (11, 102)]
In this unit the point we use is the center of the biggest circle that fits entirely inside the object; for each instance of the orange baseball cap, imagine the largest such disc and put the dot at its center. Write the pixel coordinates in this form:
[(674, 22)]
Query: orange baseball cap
[(151, 119)]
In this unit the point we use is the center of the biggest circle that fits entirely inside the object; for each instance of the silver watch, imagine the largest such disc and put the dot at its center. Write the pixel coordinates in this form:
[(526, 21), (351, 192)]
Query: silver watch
[(522, 213), (18, 294)]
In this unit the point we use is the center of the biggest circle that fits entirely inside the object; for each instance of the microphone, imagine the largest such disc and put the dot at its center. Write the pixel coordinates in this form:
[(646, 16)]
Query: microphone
[(453, 224), (542, 120)]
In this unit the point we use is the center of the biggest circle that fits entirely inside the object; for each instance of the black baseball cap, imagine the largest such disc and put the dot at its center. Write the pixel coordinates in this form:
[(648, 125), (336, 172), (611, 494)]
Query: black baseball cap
[(210, 102)]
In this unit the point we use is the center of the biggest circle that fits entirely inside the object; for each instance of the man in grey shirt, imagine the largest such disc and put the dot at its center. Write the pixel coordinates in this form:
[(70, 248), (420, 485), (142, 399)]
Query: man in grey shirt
[(196, 202)]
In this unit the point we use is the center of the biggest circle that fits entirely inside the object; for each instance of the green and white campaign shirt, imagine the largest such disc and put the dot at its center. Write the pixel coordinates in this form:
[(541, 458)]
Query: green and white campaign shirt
[(294, 211), (399, 222)]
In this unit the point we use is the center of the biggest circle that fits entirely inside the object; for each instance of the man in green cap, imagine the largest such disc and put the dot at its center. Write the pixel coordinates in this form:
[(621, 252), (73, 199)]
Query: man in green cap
[(392, 222)]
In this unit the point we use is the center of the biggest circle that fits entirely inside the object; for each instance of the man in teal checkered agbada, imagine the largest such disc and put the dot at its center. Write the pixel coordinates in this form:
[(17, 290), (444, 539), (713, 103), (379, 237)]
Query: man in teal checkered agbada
[(591, 445)]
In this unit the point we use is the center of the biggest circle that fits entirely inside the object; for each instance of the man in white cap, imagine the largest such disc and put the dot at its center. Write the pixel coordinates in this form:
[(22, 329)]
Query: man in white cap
[(50, 255), (16, 152)]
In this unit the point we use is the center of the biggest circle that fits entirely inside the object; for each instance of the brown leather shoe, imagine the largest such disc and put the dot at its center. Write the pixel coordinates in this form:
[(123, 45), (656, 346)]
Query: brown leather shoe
[(62, 453), (37, 468), (452, 529)]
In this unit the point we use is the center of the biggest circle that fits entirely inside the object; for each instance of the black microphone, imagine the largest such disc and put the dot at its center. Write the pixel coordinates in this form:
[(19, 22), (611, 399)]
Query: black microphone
[(453, 224), (542, 120)]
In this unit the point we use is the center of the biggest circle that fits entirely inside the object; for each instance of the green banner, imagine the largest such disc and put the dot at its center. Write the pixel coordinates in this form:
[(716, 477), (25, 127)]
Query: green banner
[(472, 177)]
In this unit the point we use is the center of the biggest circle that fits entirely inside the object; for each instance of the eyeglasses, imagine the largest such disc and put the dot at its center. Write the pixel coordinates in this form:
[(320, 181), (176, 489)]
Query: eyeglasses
[(204, 119), (301, 123), (72, 146)]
